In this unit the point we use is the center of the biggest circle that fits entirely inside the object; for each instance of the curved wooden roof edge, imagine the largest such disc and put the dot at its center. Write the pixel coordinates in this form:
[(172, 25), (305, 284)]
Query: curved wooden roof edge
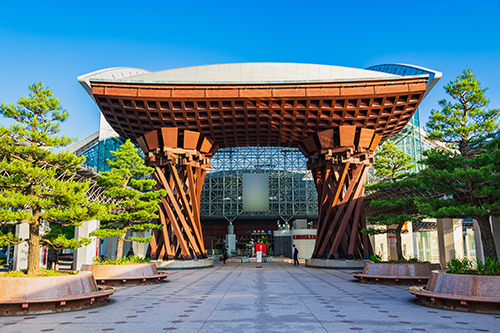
[(257, 113)]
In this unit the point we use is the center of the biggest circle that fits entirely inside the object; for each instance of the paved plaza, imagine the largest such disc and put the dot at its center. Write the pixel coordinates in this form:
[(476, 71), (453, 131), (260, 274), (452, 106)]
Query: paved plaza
[(243, 298)]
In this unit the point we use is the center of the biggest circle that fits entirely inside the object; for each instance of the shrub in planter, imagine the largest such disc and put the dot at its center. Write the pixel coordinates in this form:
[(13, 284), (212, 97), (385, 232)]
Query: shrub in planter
[(122, 261), (470, 285), (124, 271), (466, 266)]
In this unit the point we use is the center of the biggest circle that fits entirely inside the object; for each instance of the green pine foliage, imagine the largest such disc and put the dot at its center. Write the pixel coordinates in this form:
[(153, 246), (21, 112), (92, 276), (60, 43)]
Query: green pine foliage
[(391, 163), (468, 175), (34, 185), (43, 272), (391, 166), (464, 124), (127, 184)]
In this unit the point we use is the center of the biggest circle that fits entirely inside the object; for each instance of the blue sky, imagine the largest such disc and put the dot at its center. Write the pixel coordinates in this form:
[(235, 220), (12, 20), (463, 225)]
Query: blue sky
[(56, 41)]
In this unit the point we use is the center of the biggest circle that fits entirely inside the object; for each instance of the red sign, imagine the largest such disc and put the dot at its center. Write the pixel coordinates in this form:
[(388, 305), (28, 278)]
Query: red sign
[(304, 236), (261, 247)]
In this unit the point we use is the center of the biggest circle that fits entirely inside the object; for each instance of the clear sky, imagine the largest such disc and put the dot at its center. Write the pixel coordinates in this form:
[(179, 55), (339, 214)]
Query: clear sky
[(56, 41)]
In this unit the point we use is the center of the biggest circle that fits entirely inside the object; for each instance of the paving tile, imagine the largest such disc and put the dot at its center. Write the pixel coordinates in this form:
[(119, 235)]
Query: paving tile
[(242, 298)]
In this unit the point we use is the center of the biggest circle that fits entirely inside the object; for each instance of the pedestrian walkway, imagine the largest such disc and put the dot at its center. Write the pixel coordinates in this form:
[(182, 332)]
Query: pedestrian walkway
[(243, 298)]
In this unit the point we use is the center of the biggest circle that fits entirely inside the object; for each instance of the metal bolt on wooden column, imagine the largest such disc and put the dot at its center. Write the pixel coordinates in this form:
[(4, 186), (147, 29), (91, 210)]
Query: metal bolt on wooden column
[(339, 160), (181, 160)]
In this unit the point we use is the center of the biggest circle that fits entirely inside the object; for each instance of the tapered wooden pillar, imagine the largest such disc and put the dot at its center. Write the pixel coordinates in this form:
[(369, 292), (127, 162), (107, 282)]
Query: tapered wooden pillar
[(339, 160), (180, 160)]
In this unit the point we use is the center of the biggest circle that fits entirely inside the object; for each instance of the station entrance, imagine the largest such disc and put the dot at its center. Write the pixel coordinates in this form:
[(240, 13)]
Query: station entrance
[(335, 116)]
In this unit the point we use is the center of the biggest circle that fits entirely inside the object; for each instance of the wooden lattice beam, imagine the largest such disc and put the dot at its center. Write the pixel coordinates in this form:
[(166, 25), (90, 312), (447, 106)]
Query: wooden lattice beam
[(249, 114)]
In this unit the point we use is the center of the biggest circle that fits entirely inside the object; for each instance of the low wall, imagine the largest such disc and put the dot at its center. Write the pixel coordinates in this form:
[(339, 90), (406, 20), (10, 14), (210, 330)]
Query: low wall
[(336, 264), (183, 264), (121, 271), (464, 284), (400, 269), (46, 287)]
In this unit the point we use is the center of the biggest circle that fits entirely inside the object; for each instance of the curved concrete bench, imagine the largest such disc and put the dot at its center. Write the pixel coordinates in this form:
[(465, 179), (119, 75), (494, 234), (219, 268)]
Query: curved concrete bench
[(396, 273), (470, 292), (31, 295), (120, 275)]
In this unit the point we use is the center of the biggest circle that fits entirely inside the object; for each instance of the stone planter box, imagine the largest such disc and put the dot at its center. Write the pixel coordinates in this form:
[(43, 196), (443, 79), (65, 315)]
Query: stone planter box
[(34, 295), (408, 273), (466, 292), (119, 275)]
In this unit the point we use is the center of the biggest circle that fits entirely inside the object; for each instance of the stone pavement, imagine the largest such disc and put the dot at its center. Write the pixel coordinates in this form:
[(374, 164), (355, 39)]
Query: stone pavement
[(243, 298)]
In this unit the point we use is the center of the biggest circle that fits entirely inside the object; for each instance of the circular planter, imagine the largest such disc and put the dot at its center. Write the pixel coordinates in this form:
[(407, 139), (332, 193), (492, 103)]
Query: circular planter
[(406, 273), (120, 275), (465, 292), (35, 295)]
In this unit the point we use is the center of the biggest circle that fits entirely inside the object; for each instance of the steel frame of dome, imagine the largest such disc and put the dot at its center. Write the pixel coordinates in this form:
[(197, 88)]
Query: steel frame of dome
[(335, 115)]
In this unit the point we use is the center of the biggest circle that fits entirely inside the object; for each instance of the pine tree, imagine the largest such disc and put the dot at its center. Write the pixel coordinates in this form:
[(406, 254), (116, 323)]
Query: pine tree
[(465, 125), (391, 163), (467, 174), (35, 183), (391, 167), (137, 202)]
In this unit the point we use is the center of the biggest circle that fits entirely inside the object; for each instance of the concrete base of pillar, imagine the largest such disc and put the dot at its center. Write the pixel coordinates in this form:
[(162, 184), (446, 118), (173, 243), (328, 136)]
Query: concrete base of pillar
[(183, 264), (336, 264)]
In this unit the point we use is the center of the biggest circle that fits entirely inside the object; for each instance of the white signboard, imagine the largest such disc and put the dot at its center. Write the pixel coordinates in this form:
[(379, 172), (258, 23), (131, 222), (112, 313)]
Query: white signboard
[(259, 256), (255, 192)]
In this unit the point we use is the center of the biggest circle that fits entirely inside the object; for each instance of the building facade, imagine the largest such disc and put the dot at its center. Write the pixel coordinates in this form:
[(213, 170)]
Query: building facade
[(292, 192)]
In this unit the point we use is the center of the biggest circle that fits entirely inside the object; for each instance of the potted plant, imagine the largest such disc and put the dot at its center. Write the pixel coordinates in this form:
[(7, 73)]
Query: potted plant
[(136, 205), (37, 189)]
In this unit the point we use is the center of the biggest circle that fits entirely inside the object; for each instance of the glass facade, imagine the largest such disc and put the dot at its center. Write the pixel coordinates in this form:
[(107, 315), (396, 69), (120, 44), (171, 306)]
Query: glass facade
[(400, 69), (409, 139), (97, 153), (291, 189)]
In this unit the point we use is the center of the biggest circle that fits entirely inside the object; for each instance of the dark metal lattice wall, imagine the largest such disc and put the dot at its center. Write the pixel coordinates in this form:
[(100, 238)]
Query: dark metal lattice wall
[(291, 187)]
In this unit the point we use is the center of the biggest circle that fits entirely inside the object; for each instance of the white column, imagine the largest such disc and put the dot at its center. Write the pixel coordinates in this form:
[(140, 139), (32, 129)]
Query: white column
[(85, 254), (407, 239), (111, 247), (495, 228), (140, 249), (450, 239), (478, 241), (231, 238), (103, 247), (20, 260)]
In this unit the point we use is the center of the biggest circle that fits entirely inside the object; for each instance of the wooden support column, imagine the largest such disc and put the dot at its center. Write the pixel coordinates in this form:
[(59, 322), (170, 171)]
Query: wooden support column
[(340, 160), (181, 160)]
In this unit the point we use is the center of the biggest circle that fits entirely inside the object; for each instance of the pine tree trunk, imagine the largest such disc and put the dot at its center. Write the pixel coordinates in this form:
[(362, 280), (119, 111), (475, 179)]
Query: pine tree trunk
[(398, 242), (487, 239), (34, 249), (119, 245)]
